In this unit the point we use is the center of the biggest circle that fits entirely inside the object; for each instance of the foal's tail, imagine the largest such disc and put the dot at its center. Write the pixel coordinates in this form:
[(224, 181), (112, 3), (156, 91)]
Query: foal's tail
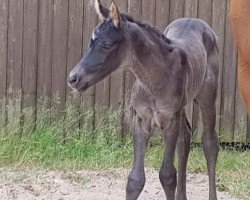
[(188, 125), (215, 42), (210, 40)]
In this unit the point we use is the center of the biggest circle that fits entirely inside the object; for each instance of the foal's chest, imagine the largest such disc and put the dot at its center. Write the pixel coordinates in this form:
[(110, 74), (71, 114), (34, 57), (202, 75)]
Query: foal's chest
[(152, 112)]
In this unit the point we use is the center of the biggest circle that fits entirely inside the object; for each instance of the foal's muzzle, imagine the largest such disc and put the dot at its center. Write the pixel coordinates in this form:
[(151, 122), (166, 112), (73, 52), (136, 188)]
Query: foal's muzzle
[(77, 82)]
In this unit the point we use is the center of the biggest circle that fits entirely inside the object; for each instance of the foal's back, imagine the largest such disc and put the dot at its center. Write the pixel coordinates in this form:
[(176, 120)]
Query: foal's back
[(191, 31)]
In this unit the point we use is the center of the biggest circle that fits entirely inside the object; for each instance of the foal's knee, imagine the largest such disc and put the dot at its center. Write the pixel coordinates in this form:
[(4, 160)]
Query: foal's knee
[(210, 141), (135, 184), (168, 178)]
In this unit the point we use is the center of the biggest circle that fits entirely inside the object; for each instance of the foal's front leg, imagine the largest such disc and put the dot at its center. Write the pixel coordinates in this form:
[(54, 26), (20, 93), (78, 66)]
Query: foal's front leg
[(136, 179), (168, 172)]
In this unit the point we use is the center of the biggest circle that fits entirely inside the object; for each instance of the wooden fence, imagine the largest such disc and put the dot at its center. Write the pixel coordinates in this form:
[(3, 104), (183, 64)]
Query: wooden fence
[(41, 40)]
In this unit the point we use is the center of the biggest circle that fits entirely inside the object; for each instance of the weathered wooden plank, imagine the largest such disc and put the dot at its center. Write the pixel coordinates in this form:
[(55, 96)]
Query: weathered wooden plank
[(4, 7), (135, 8), (240, 119), (88, 97), (45, 51), (102, 93), (191, 8), (101, 99), (149, 11), (162, 14), (15, 54), (205, 10), (3, 45), (176, 9), (59, 60), (219, 12), (29, 60), (75, 36), (75, 40), (45, 54), (228, 85)]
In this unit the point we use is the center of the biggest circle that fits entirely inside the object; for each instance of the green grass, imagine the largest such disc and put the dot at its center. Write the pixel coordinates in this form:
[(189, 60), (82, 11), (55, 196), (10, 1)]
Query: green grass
[(62, 144), (233, 170)]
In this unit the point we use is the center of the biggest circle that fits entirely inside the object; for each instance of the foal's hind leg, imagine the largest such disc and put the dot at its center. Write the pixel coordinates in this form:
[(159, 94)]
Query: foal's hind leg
[(206, 100), (136, 179), (183, 148)]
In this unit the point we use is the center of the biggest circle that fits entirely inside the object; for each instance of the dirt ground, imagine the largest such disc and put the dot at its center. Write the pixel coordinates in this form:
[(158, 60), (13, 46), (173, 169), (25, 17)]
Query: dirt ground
[(88, 185)]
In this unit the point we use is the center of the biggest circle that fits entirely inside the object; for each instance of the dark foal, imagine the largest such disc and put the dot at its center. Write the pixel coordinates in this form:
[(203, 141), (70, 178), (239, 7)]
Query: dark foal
[(171, 69)]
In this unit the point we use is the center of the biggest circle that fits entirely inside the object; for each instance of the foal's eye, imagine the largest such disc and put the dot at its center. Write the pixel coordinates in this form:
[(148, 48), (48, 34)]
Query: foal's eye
[(106, 46)]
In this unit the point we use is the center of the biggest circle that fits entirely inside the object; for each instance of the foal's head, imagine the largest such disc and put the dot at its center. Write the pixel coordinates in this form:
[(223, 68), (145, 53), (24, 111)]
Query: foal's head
[(105, 51)]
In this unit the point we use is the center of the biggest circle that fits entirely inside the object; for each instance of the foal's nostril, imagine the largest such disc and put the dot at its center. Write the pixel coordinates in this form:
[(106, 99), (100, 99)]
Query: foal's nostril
[(73, 80)]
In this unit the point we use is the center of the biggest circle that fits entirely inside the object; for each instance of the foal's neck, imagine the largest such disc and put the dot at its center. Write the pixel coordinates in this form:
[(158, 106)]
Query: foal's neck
[(148, 55)]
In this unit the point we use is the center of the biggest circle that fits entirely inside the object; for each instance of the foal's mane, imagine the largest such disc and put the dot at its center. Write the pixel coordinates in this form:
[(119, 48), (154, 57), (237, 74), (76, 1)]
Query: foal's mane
[(153, 31)]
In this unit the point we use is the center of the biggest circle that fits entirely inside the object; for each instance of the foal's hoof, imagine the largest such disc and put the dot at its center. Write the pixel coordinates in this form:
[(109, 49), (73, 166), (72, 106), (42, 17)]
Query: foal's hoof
[(132, 196), (180, 198), (132, 193)]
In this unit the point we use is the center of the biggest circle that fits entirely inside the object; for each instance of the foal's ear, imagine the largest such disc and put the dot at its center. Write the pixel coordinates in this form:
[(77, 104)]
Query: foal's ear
[(115, 15), (101, 11)]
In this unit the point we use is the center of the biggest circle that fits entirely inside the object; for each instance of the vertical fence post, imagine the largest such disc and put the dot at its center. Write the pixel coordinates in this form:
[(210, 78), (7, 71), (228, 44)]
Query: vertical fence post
[(4, 12)]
